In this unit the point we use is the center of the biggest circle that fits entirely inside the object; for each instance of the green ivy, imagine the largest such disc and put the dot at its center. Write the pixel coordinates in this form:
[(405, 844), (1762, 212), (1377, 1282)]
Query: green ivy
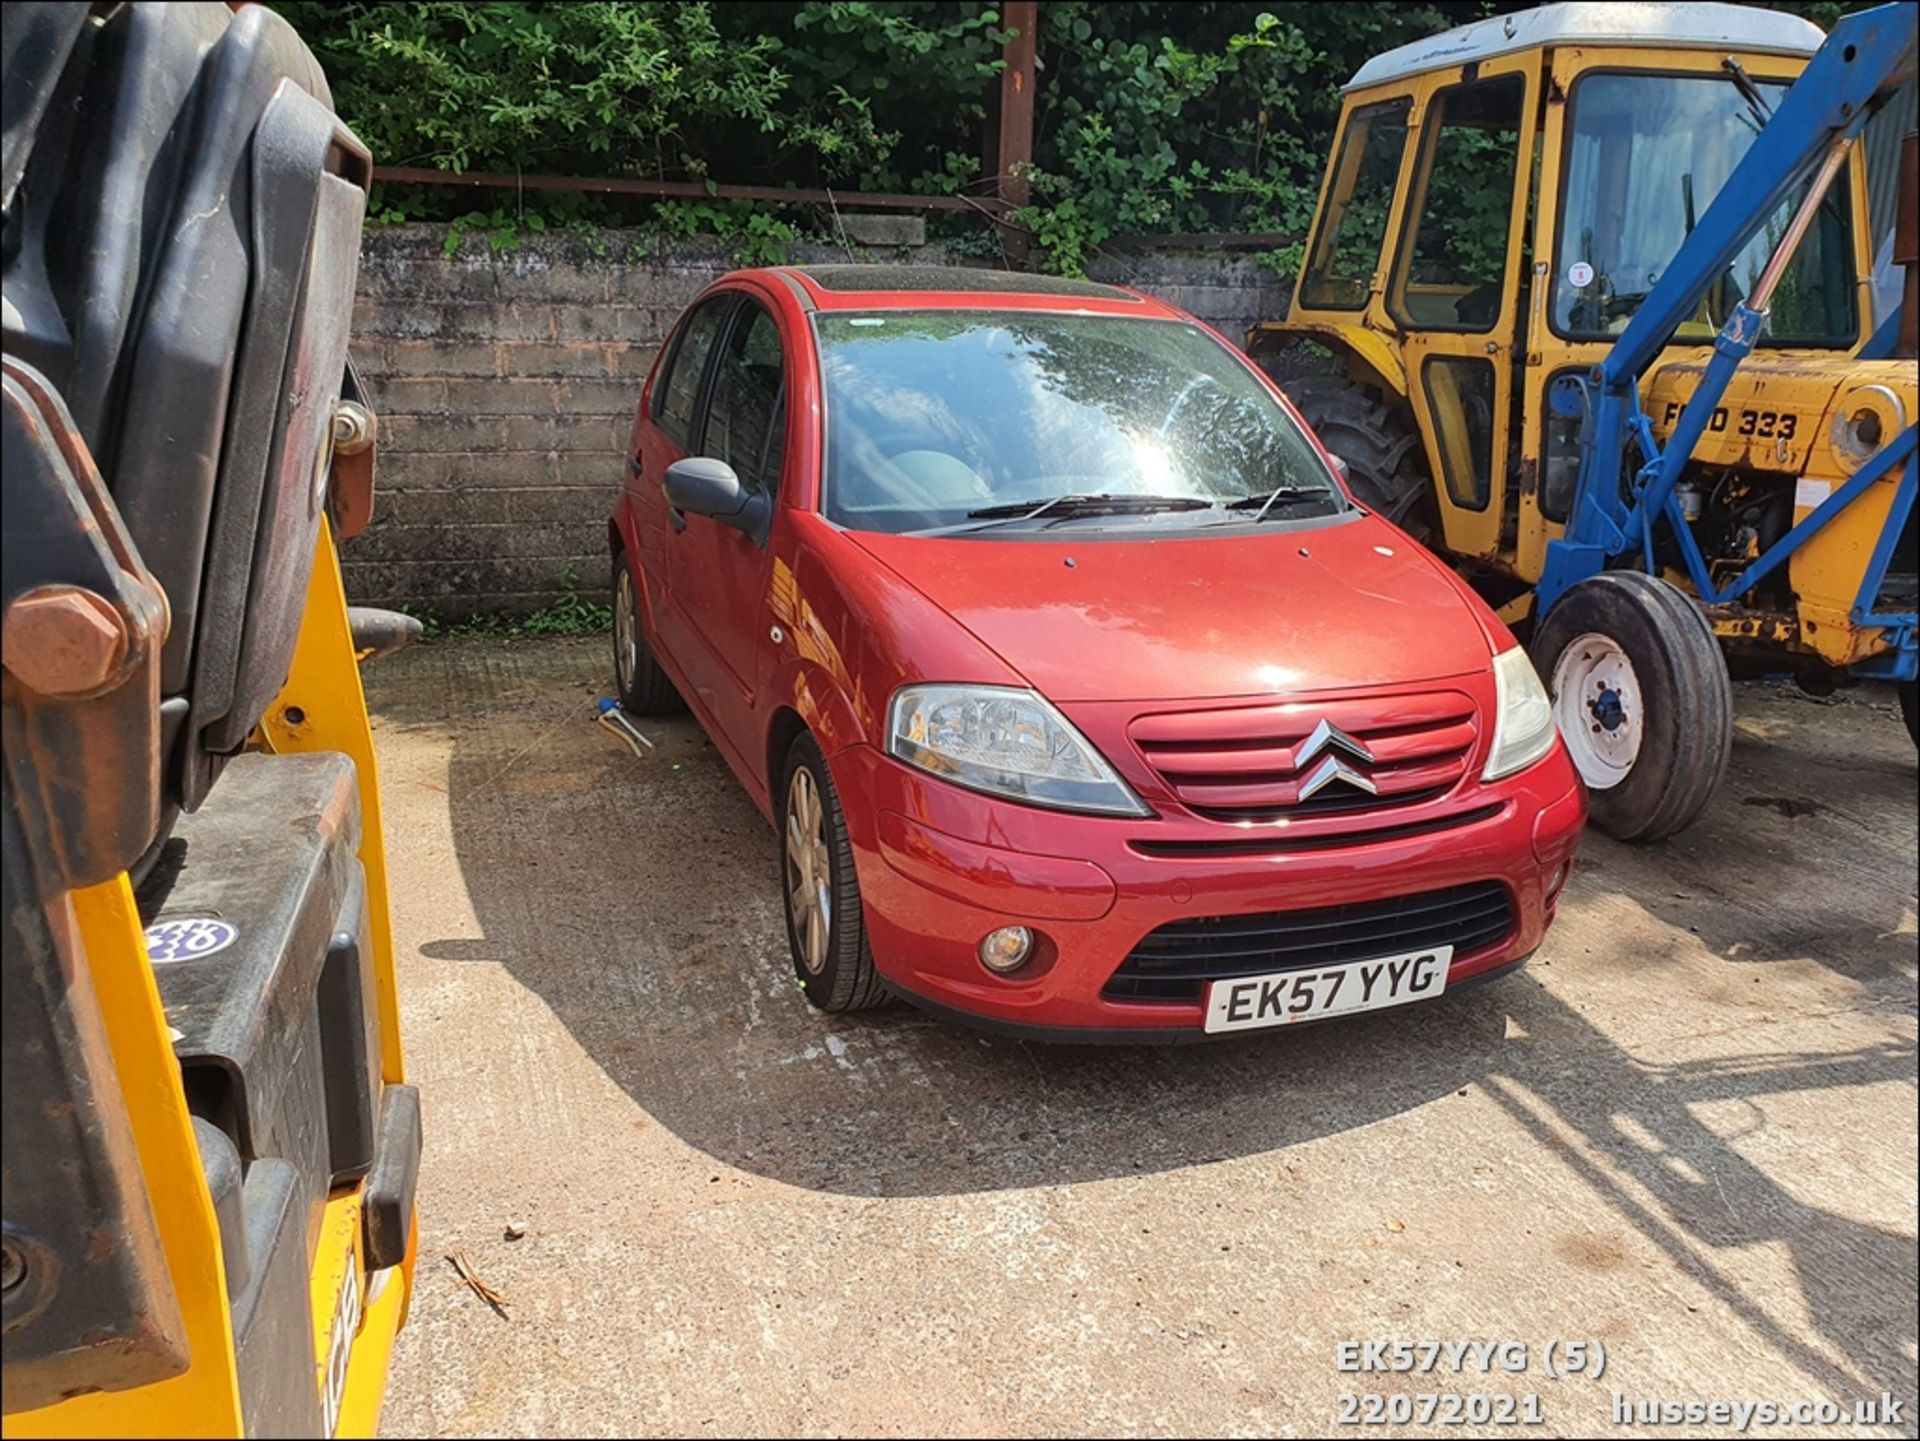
[(1161, 115)]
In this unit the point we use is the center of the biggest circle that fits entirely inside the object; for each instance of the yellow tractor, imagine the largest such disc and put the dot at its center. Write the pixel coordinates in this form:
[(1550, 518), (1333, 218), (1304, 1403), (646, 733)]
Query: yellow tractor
[(1546, 246), (208, 1144)]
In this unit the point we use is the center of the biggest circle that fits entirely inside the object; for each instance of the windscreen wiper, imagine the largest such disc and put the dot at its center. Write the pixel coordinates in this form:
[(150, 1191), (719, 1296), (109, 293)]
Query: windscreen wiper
[(1066, 507), (1261, 504), (1749, 92)]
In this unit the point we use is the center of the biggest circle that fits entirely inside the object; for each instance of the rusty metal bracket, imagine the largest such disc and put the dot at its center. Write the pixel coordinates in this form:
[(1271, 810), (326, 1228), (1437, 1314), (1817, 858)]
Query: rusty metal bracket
[(82, 621), (355, 443)]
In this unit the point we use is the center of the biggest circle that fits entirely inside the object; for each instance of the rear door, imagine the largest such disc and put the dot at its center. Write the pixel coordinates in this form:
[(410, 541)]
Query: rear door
[(668, 428), (718, 574)]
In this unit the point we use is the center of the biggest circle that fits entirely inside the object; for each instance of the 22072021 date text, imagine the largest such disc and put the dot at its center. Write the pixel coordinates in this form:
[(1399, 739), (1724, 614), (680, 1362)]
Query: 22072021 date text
[(1431, 1408)]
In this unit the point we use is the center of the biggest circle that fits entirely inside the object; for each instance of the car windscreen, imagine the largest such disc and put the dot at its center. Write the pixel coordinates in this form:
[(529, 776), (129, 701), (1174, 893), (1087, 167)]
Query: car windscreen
[(934, 417)]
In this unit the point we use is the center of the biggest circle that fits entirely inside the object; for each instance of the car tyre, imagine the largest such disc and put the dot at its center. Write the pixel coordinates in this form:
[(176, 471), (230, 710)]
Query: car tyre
[(643, 686), (1910, 708), (820, 893), (1642, 698)]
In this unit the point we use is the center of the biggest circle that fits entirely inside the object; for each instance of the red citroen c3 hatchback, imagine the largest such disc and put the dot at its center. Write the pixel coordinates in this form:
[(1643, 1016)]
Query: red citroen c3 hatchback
[(1082, 695)]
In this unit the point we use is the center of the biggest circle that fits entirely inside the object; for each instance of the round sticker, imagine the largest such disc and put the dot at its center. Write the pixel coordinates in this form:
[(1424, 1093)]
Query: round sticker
[(188, 938), (1579, 275)]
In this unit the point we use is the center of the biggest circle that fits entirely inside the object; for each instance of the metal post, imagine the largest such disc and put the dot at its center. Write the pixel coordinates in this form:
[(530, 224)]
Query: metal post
[(1016, 114), (1762, 297)]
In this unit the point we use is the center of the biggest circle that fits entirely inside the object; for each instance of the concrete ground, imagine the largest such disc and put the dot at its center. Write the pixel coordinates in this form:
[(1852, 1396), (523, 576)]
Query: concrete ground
[(1686, 1131)]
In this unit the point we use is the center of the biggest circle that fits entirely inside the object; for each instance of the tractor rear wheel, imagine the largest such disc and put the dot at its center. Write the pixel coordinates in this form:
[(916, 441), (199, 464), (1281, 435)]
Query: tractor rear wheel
[(1386, 465), (1642, 698)]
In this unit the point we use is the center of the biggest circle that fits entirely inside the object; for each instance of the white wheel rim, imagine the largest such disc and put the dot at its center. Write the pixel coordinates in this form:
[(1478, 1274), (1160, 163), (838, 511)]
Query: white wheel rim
[(626, 634), (1598, 706), (809, 871)]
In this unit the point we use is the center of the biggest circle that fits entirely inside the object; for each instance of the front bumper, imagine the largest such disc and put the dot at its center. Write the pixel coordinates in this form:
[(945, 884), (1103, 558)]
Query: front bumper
[(939, 867)]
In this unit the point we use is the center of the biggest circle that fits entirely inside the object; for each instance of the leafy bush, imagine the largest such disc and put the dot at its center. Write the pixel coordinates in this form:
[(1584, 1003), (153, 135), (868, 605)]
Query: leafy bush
[(1163, 115)]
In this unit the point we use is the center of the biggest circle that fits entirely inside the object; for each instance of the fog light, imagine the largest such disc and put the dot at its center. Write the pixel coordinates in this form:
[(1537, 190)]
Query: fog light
[(1006, 949), (1559, 881)]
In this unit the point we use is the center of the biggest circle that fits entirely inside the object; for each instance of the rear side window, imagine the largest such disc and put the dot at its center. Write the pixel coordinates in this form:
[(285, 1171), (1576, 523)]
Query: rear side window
[(743, 418), (1353, 223), (680, 385)]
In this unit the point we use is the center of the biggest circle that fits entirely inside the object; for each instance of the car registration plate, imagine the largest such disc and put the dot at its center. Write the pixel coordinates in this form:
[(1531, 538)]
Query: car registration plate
[(1247, 1003)]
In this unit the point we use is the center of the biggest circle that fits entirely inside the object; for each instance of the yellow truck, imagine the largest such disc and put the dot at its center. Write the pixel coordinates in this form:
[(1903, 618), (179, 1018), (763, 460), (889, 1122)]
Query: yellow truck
[(209, 1147)]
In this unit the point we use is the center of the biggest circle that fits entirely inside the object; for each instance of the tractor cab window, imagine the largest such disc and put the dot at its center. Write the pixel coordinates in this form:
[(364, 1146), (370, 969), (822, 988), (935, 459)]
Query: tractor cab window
[(1453, 263), (1353, 218), (1647, 156)]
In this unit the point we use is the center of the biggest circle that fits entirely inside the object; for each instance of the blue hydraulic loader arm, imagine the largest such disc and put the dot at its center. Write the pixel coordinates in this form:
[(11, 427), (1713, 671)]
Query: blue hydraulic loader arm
[(1805, 143)]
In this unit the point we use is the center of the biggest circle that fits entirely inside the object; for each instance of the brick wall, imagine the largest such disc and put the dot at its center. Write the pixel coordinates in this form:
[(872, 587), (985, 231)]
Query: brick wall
[(506, 384)]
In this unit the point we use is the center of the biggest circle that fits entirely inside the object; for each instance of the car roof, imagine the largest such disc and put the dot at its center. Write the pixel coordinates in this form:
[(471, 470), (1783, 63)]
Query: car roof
[(912, 287), (1693, 26)]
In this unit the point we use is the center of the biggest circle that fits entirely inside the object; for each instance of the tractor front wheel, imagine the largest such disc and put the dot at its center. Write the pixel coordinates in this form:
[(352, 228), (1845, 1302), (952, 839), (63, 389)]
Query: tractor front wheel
[(1642, 698)]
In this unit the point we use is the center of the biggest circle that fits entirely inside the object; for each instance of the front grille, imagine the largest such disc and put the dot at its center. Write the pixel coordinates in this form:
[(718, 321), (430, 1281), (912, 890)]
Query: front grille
[(1250, 842), (1245, 764), (1175, 962)]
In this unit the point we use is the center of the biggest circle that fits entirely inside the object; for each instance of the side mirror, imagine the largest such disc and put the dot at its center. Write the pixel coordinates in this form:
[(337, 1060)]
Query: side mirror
[(709, 487), (1340, 469)]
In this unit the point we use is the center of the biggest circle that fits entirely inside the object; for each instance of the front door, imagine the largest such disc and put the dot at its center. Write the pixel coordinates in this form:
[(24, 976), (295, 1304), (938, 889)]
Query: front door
[(718, 574), (1455, 287)]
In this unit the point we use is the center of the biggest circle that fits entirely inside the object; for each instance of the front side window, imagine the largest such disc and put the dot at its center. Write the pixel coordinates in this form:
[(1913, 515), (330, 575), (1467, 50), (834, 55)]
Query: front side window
[(743, 416), (1647, 156), (1453, 265), (948, 419), (1346, 246), (680, 386)]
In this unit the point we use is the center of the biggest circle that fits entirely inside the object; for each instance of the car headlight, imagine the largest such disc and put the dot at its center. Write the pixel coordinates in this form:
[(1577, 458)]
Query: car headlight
[(1007, 742), (1523, 724)]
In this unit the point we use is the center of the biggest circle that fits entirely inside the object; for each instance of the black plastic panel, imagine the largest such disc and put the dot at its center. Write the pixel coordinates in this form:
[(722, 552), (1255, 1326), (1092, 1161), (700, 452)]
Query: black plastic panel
[(349, 1016), (33, 52), (390, 1188), (270, 858)]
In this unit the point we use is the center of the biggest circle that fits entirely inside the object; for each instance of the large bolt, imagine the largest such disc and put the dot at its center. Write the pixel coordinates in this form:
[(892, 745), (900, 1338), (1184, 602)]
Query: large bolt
[(354, 427), (62, 640)]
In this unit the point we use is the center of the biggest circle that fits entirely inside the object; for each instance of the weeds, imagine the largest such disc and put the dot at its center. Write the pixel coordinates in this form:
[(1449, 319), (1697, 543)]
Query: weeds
[(571, 614)]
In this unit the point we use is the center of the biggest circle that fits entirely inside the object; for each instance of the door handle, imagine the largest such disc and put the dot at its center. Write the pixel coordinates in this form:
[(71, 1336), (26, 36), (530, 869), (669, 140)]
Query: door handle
[(676, 517)]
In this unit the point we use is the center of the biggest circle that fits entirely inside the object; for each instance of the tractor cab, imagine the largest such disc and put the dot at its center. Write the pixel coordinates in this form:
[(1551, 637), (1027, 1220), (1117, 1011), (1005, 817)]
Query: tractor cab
[(1501, 201)]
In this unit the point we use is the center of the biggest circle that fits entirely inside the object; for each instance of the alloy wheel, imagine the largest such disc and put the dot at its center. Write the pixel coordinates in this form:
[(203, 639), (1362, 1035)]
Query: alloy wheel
[(626, 629), (809, 870)]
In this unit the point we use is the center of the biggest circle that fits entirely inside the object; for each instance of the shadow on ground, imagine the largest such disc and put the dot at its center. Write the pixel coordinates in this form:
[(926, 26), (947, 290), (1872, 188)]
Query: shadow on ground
[(637, 899)]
